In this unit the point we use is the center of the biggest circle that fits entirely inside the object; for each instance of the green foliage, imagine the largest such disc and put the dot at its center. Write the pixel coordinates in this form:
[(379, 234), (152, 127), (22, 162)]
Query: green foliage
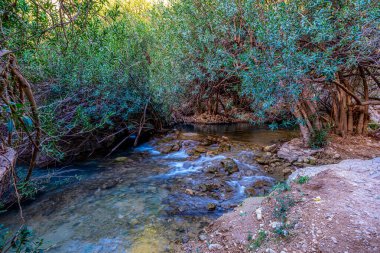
[(27, 190), (95, 74), (20, 241), (281, 187), (319, 138), (282, 206), (374, 126), (259, 240), (302, 179), (283, 230)]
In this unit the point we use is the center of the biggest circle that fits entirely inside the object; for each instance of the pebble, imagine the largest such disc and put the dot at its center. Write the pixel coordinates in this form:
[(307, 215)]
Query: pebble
[(215, 246), (334, 239), (269, 250), (202, 237), (259, 214), (276, 224)]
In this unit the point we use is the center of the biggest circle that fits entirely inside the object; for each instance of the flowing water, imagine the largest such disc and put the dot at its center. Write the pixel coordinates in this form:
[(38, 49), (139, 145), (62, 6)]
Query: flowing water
[(137, 202)]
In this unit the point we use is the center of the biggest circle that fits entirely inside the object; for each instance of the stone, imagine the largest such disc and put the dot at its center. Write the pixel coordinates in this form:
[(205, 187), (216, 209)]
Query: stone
[(190, 136), (200, 149), (165, 149), (276, 224), (225, 138), (259, 214), (336, 156), (189, 191), (134, 222), (312, 160), (269, 250), (202, 237), (261, 183), (224, 147), (334, 239), (215, 246), (298, 164), (229, 166), (294, 149), (185, 239), (250, 191), (121, 159), (212, 169), (262, 161), (269, 148), (208, 187), (211, 206)]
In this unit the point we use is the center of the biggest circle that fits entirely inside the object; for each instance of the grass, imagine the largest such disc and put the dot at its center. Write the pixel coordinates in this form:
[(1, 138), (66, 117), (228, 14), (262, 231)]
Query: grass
[(302, 179), (259, 240)]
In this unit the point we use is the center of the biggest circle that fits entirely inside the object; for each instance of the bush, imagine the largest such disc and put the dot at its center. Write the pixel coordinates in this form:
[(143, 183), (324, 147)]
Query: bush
[(302, 179), (259, 240), (282, 206), (319, 138)]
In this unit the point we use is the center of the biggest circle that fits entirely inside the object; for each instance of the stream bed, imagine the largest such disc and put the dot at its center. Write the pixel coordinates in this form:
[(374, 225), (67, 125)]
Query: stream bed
[(153, 197)]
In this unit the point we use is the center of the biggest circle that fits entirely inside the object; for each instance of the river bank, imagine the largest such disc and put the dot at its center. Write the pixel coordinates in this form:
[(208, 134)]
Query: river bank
[(326, 208)]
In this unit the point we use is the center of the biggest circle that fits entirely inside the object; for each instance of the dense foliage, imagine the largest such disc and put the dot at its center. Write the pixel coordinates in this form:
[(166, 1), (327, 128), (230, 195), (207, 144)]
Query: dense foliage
[(98, 68)]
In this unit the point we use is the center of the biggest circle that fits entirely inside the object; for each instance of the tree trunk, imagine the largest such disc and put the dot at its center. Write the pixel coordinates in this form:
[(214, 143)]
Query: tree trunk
[(304, 130), (366, 98)]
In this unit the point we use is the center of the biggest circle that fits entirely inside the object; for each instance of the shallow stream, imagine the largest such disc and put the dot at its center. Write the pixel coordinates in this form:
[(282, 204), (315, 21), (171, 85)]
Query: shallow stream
[(142, 200)]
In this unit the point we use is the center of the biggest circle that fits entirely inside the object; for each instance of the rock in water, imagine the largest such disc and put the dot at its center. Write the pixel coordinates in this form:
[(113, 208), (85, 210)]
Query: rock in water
[(211, 206), (229, 166)]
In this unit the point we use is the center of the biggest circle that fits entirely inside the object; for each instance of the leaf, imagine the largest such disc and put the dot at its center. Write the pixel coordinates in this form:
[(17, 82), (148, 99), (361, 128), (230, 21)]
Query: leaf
[(10, 126), (27, 121)]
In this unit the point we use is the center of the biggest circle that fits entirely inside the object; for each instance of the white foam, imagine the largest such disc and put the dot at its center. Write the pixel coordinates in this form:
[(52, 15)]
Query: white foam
[(177, 155), (147, 148), (188, 167)]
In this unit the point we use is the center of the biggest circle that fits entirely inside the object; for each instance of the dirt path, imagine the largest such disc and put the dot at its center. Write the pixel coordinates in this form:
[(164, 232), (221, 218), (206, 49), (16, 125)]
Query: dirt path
[(337, 210)]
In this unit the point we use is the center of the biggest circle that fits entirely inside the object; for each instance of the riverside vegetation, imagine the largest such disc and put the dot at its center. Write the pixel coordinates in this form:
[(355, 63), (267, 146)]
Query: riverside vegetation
[(83, 78)]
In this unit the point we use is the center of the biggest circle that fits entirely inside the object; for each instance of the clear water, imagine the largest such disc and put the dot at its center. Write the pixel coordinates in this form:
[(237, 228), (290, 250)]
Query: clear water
[(135, 205), (243, 132)]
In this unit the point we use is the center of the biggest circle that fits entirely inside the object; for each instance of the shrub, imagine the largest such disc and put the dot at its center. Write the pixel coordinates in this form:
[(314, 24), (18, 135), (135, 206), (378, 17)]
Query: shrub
[(259, 240), (302, 179), (281, 187), (319, 138), (282, 206)]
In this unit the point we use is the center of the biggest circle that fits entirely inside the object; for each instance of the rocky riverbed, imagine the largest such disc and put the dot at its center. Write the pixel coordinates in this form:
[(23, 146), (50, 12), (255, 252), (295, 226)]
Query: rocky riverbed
[(151, 198)]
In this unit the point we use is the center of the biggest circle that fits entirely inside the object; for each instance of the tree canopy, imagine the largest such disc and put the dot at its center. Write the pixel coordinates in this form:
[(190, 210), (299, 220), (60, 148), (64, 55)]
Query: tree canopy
[(98, 67)]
